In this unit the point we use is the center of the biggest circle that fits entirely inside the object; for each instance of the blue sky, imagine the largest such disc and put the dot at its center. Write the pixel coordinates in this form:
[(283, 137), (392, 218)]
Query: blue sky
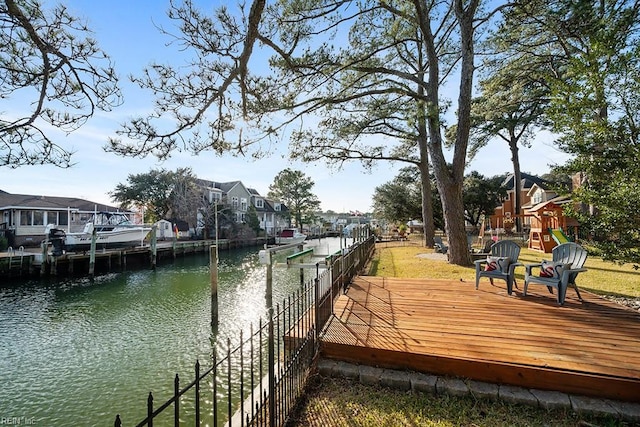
[(126, 30)]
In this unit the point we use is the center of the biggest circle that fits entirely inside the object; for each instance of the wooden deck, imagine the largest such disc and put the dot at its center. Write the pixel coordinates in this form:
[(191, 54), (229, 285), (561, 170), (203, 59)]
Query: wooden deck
[(450, 328)]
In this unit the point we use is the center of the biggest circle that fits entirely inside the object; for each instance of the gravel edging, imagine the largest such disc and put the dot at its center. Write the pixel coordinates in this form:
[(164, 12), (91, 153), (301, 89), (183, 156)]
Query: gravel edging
[(632, 303)]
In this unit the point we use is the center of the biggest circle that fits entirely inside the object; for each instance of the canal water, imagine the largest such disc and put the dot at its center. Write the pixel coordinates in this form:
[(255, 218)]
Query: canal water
[(77, 352)]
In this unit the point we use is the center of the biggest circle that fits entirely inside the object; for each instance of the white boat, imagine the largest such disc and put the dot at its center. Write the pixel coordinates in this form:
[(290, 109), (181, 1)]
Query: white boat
[(113, 230), (290, 236)]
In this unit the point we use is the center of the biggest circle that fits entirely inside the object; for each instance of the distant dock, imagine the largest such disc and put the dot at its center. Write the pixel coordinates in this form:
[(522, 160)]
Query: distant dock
[(29, 262)]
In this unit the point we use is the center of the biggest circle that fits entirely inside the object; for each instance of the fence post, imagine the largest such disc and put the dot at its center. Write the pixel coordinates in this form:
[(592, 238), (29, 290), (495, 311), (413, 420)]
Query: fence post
[(316, 285), (272, 374), (197, 381), (176, 392), (241, 354), (229, 388), (150, 410), (213, 271), (215, 386)]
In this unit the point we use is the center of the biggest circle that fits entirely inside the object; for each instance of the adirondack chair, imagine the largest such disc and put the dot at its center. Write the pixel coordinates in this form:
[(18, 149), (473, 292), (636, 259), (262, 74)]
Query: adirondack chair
[(503, 255), (439, 246), (568, 261)]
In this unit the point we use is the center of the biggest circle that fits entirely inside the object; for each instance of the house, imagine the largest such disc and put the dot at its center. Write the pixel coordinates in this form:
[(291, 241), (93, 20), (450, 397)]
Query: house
[(506, 212), (234, 194), (24, 217), (273, 215), (265, 211)]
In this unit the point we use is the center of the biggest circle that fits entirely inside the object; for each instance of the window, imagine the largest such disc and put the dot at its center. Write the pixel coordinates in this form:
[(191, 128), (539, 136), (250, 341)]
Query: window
[(214, 196), (276, 207), (25, 218), (259, 203), (38, 218), (52, 217), (234, 202), (243, 204), (537, 197), (63, 218)]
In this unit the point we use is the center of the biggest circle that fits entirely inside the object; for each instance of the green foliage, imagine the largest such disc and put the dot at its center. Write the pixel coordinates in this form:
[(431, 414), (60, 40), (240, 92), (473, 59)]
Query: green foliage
[(558, 180), (481, 196), (511, 104), (159, 192), (252, 220), (400, 200), (294, 189), (590, 56), (595, 107), (607, 207), (4, 243)]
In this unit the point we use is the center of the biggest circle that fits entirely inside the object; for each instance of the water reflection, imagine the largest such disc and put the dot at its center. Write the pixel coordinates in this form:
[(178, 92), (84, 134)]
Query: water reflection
[(75, 352)]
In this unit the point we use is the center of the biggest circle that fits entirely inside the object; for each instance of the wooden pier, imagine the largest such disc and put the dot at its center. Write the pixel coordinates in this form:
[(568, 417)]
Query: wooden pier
[(449, 328), (29, 262)]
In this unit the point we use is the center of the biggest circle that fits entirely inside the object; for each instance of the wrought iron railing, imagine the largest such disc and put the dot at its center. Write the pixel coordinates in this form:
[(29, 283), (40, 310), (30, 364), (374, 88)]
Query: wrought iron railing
[(258, 380)]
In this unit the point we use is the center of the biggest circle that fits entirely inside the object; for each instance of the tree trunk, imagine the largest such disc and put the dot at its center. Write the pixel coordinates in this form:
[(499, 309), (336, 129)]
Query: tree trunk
[(427, 202), (517, 183), (449, 180)]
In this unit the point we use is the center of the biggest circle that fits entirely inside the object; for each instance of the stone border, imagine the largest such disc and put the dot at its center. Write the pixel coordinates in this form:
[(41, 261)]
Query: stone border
[(419, 382)]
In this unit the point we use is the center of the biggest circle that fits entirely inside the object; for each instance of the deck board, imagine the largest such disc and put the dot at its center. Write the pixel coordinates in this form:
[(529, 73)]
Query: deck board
[(450, 328)]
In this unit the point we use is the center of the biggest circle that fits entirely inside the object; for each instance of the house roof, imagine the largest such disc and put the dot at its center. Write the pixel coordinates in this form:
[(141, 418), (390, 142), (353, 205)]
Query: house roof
[(271, 203), (225, 187), (558, 201), (526, 181), (17, 201)]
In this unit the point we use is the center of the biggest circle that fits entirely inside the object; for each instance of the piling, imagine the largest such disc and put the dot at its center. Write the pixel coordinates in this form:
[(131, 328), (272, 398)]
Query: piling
[(269, 290), (300, 248), (92, 254), (175, 240), (154, 247), (44, 245)]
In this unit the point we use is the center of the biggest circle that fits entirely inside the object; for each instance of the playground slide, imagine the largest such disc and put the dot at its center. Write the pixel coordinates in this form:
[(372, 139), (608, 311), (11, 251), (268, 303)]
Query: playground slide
[(558, 235)]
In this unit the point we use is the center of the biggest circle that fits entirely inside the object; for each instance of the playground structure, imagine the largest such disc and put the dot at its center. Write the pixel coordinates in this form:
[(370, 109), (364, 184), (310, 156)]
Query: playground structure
[(549, 225)]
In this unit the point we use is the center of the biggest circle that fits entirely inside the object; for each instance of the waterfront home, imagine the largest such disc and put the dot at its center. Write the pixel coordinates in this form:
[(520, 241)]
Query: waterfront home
[(23, 217), (234, 194), (271, 214), (507, 210)]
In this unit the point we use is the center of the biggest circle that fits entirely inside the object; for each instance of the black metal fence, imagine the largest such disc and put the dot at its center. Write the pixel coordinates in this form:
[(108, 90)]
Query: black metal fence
[(258, 380)]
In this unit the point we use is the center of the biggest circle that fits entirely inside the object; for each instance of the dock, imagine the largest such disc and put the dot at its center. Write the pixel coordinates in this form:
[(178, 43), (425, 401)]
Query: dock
[(29, 262), (449, 328)]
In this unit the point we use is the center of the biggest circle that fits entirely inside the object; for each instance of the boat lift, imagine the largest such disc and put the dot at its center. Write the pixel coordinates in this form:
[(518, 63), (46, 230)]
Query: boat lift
[(265, 257)]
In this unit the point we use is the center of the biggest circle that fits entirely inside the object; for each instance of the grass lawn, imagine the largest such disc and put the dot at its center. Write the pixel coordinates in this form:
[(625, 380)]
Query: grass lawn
[(405, 260), (343, 403), (338, 402)]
